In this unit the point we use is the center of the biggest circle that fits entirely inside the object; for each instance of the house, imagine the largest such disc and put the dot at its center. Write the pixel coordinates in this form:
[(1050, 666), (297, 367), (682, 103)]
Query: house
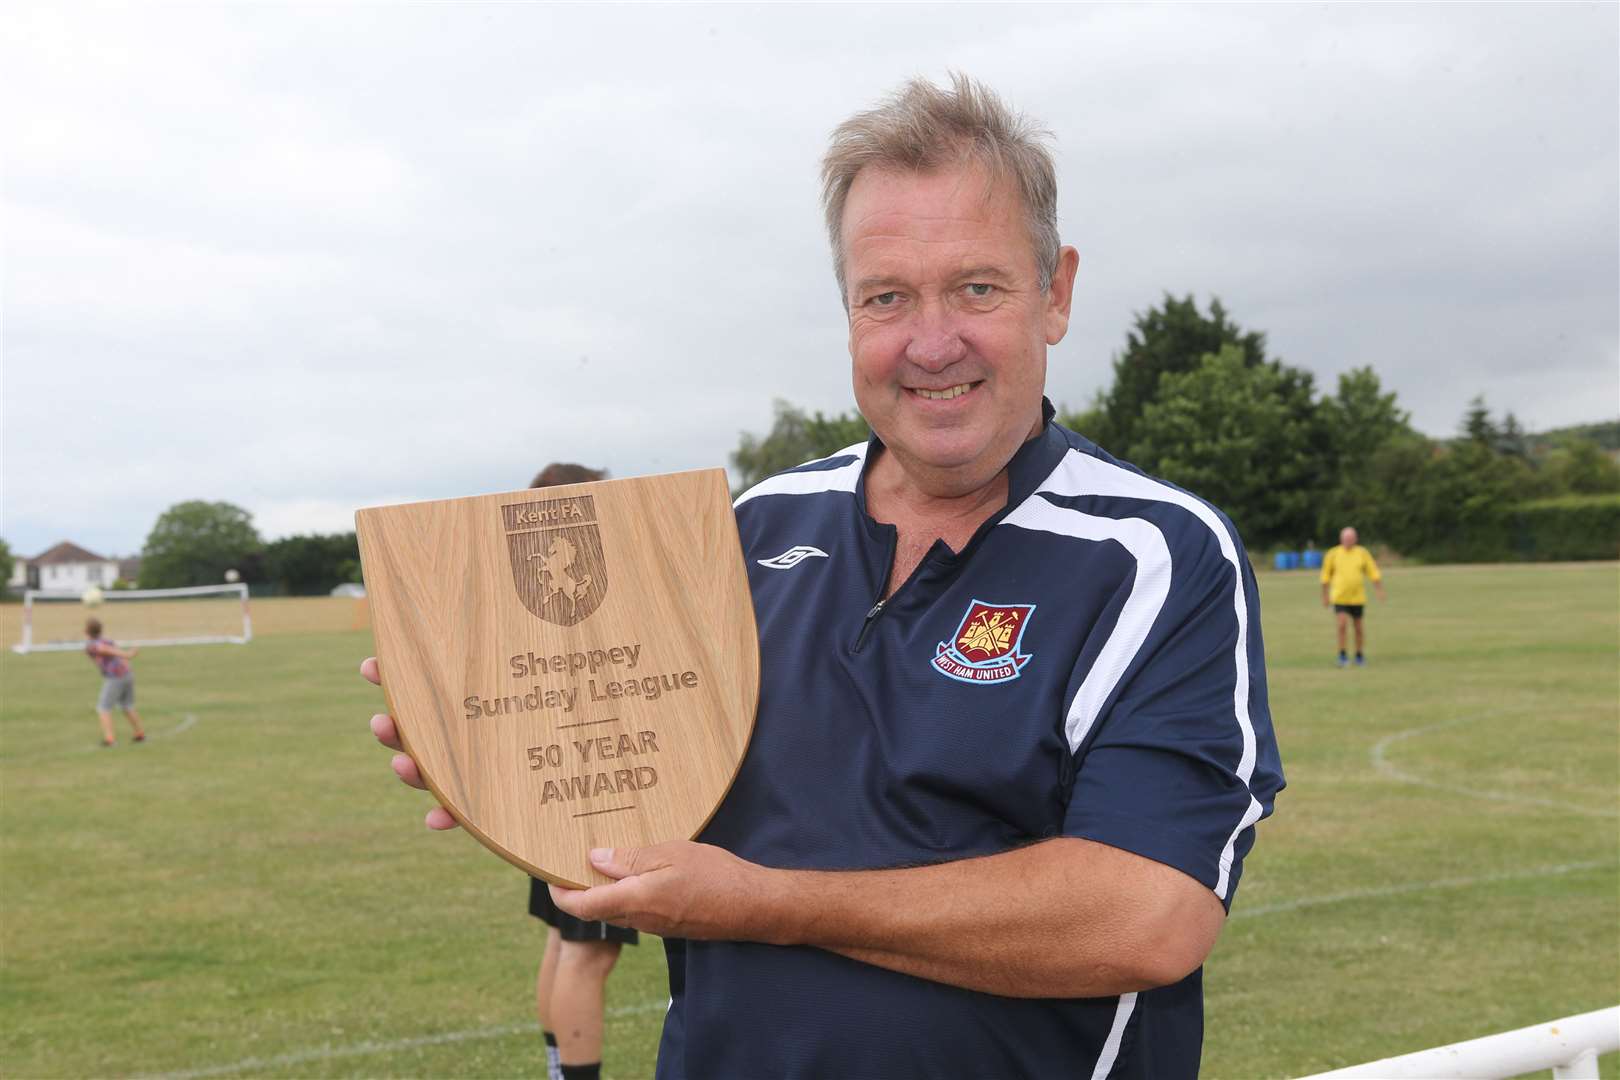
[(66, 568)]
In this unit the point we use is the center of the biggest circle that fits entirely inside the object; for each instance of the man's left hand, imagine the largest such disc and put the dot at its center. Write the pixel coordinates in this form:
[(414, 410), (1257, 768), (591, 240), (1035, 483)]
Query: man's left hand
[(679, 889)]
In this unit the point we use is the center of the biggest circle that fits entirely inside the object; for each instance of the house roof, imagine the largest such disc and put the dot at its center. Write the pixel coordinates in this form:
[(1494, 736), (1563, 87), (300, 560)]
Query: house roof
[(66, 552)]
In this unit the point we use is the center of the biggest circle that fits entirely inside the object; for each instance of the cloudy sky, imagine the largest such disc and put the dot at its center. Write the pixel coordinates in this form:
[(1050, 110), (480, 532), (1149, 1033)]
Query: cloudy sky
[(309, 258)]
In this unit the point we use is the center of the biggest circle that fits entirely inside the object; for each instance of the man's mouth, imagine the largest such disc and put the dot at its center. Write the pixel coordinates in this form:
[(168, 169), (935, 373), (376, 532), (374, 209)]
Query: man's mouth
[(944, 395)]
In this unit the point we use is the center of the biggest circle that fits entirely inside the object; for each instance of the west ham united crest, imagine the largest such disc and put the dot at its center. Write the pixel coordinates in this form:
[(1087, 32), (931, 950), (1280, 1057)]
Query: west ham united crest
[(984, 648), (557, 562)]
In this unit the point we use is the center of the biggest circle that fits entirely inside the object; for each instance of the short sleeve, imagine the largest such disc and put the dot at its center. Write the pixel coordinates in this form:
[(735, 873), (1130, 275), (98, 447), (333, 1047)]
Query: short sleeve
[(1327, 567), (1183, 762)]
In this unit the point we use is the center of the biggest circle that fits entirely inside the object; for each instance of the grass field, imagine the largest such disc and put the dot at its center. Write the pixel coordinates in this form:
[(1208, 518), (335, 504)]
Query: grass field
[(250, 893)]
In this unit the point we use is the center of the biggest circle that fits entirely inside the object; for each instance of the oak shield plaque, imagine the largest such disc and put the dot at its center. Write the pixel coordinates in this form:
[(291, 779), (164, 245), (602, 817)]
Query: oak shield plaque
[(571, 667)]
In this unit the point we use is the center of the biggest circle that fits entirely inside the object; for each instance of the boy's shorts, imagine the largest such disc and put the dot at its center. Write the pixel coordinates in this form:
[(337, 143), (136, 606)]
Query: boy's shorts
[(542, 907), (116, 693)]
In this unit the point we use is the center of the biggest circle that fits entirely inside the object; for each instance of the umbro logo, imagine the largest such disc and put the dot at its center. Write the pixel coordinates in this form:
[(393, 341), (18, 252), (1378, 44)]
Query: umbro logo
[(793, 556)]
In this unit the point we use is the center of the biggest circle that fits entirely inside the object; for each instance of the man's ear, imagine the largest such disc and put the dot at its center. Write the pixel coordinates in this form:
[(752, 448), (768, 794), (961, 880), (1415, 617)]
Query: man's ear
[(1060, 295)]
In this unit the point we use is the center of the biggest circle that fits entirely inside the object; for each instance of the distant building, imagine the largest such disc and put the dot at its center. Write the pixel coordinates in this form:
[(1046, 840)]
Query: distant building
[(67, 567)]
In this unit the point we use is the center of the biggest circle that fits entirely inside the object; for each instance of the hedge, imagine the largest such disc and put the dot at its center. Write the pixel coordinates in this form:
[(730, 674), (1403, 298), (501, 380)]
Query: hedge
[(1563, 529), (1568, 527)]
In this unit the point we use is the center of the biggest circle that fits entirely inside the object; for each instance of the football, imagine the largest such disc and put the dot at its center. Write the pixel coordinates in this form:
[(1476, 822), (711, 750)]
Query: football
[(91, 596)]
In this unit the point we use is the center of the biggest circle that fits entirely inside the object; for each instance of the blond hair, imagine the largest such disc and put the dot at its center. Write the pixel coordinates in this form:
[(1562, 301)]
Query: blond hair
[(921, 128)]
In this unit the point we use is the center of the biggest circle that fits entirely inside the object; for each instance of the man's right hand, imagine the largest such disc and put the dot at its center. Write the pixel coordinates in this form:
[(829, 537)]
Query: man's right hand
[(383, 727)]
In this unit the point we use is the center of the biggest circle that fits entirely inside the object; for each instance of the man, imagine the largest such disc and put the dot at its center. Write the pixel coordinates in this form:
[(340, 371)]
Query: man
[(1012, 737), (117, 682), (1344, 572), (579, 954)]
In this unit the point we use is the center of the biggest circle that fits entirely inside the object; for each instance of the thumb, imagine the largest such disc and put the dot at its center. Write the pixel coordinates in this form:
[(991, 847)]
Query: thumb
[(620, 863)]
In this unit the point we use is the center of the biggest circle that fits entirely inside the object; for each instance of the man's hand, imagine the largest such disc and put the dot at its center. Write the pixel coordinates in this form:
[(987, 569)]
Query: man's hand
[(678, 889), (383, 727)]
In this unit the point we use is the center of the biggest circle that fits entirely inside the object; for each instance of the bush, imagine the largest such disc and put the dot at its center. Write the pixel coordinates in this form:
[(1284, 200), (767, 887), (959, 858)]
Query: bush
[(1567, 527)]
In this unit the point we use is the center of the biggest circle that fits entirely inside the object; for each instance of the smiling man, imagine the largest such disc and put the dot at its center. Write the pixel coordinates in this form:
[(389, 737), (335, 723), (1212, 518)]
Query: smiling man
[(1013, 738)]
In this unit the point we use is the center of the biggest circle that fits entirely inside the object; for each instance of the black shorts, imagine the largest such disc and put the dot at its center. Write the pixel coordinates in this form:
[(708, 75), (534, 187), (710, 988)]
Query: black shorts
[(1352, 610), (572, 929)]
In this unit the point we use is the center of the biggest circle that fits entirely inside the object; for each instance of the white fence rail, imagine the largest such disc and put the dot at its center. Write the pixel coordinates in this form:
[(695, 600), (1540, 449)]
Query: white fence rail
[(1569, 1047)]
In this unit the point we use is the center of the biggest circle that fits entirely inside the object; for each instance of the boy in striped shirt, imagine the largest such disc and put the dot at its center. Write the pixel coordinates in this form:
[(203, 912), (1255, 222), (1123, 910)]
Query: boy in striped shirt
[(117, 682)]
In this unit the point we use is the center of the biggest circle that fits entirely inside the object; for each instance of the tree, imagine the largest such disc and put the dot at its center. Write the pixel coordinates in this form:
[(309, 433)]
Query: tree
[(1361, 417), (1581, 468), (794, 439), (1477, 425), (7, 563), (194, 543), (1357, 422), (1170, 339), (1237, 435), (311, 565)]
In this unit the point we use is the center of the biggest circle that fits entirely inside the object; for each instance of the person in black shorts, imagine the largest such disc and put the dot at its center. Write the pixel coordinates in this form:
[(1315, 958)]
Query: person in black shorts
[(579, 955)]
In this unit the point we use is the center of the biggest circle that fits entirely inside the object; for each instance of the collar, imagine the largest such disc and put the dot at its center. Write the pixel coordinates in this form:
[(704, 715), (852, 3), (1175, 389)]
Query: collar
[(1031, 463)]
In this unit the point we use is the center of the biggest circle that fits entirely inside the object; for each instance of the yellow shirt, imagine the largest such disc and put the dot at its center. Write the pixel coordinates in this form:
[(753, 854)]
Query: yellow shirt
[(1342, 571)]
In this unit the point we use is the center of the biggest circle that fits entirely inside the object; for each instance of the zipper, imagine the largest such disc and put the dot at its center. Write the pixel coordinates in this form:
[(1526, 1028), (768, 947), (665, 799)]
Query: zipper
[(877, 609)]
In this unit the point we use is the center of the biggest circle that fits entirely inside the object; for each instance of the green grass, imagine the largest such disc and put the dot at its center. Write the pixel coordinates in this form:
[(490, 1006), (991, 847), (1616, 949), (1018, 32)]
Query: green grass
[(254, 895)]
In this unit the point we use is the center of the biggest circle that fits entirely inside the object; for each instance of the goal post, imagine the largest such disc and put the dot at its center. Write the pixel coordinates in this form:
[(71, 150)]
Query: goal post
[(199, 615)]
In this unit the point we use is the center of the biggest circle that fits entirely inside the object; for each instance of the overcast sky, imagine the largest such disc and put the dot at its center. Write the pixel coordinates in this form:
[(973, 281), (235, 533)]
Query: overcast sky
[(306, 259)]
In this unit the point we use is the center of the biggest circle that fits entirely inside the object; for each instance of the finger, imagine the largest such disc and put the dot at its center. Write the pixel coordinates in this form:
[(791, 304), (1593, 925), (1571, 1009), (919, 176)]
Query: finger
[(369, 670), (383, 727), (603, 903), (406, 770), (439, 818)]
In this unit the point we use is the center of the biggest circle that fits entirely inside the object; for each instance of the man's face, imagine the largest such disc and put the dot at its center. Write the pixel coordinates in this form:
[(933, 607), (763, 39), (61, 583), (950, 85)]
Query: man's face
[(948, 327), (1347, 537)]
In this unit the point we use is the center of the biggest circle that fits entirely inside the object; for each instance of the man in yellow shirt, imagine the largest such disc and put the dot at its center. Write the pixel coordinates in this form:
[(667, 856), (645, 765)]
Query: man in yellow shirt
[(1344, 573)]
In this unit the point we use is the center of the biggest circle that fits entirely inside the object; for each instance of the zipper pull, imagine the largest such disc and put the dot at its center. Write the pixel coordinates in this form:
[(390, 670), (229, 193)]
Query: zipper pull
[(876, 609)]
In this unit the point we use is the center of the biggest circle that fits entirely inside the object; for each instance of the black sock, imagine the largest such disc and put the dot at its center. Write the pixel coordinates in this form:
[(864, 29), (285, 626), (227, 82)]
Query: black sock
[(593, 1071), (1341, 654), (1358, 656)]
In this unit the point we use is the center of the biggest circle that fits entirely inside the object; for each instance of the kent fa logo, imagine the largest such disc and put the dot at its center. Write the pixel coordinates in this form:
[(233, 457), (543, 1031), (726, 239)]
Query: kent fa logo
[(557, 561), (984, 648), (792, 557)]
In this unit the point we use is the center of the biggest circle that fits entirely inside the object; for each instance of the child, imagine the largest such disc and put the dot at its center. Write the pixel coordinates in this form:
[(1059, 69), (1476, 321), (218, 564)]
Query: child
[(117, 682)]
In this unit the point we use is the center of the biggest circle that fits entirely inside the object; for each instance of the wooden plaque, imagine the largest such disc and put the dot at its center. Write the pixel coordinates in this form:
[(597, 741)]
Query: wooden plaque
[(571, 667)]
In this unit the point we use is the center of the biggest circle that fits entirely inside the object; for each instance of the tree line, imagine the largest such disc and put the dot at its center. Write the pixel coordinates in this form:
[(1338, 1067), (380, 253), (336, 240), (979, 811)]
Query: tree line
[(1196, 400), (197, 542)]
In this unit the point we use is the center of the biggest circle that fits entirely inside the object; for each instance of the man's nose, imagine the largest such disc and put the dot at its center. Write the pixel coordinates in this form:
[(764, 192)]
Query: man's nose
[(935, 343)]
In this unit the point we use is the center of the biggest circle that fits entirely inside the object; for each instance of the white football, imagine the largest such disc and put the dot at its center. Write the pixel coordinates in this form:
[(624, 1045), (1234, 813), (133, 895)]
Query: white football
[(91, 596), (232, 576)]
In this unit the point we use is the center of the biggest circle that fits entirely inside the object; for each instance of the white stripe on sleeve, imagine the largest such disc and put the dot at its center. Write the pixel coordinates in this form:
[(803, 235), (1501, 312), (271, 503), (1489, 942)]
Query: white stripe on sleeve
[(1148, 591), (1081, 474), (843, 478)]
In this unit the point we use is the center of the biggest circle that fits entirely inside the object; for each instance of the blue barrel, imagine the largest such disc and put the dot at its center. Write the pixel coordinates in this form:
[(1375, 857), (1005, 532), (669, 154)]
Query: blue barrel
[(1313, 560), (1286, 560)]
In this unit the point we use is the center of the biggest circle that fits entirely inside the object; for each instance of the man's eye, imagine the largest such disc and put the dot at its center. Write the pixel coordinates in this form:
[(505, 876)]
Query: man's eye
[(979, 290), (887, 299)]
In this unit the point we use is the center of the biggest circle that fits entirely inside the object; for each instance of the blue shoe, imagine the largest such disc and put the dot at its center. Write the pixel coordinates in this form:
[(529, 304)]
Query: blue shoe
[(1342, 661), (1361, 661)]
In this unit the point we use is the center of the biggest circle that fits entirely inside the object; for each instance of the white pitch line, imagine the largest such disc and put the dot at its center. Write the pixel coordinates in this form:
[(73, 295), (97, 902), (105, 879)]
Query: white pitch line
[(1420, 886), (1381, 763), (186, 724), (388, 1046)]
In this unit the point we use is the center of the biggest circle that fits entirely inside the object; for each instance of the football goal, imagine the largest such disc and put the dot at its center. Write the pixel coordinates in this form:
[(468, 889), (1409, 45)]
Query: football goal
[(201, 615)]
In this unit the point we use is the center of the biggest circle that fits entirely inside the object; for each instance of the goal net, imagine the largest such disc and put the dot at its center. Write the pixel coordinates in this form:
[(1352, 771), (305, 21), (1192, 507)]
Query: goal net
[(202, 615)]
